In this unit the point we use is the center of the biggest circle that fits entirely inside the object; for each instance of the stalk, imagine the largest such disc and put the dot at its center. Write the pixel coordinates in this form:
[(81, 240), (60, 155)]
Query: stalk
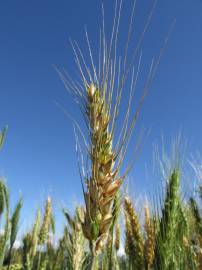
[(94, 262)]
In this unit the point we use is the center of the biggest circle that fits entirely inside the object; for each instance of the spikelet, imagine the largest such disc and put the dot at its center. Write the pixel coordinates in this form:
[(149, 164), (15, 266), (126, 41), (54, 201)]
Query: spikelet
[(43, 235), (136, 233), (150, 239)]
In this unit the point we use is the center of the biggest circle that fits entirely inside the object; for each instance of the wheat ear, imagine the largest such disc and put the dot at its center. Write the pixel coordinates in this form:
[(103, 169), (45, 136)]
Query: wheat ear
[(136, 233), (150, 238)]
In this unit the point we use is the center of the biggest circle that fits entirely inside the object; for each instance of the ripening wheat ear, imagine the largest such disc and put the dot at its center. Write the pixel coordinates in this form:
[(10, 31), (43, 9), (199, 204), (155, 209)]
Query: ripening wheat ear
[(26, 247), (30, 245), (44, 232), (196, 215), (150, 238), (74, 240), (35, 234), (14, 229), (129, 242), (100, 99), (136, 234), (46, 224), (197, 223)]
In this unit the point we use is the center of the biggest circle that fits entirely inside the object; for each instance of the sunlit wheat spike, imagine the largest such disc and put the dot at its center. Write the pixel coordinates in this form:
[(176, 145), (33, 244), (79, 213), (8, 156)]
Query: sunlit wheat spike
[(15, 222), (6, 230), (35, 234), (14, 229), (79, 242), (150, 238), (26, 247), (103, 184), (44, 230), (129, 241), (4, 197), (136, 233), (100, 99), (74, 240), (168, 241), (196, 214)]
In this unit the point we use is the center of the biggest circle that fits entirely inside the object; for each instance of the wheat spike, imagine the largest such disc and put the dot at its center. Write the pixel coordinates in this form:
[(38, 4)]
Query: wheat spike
[(44, 231), (168, 241), (150, 238), (35, 234), (74, 239), (15, 222), (14, 229), (129, 241), (103, 184), (6, 208), (136, 233), (99, 97)]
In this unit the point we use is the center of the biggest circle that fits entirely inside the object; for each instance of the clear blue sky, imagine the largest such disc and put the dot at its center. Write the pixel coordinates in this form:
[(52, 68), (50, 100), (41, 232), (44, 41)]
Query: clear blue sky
[(39, 154)]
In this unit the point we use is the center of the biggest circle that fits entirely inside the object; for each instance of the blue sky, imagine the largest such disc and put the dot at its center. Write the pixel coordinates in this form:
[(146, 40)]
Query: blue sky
[(39, 154)]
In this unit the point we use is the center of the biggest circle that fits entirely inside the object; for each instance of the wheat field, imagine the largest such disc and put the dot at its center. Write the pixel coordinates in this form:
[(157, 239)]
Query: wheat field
[(108, 231)]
